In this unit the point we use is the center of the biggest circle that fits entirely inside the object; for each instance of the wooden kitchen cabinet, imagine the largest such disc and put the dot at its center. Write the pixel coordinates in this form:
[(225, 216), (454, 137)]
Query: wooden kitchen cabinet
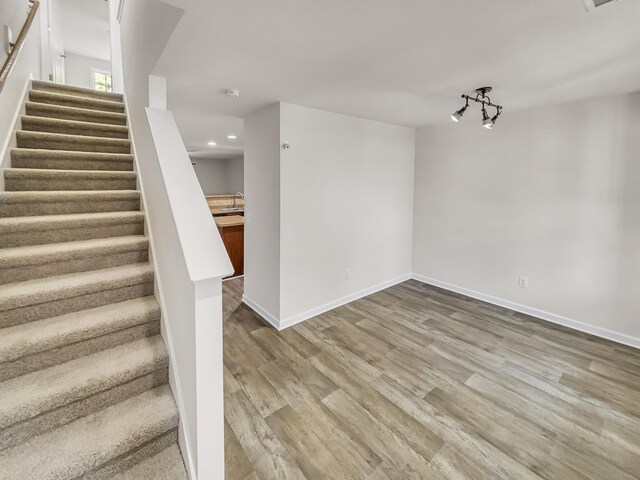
[(232, 232)]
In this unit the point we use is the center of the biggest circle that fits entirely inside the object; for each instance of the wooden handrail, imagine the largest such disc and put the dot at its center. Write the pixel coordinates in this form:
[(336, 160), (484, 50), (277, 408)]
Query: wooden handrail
[(16, 47)]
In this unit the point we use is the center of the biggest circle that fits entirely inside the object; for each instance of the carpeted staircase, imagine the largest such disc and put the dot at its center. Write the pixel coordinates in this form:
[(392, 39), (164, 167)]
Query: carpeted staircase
[(83, 369)]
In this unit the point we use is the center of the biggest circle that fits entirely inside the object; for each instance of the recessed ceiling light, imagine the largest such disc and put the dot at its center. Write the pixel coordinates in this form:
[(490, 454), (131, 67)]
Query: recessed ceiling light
[(231, 137), (232, 93), (212, 144)]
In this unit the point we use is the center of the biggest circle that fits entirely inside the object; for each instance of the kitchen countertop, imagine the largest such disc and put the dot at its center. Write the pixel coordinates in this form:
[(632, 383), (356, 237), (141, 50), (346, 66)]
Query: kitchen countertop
[(217, 204), (229, 221), (224, 211)]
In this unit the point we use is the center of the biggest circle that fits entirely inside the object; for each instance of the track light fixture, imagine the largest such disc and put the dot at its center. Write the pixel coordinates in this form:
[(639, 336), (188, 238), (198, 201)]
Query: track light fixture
[(482, 98)]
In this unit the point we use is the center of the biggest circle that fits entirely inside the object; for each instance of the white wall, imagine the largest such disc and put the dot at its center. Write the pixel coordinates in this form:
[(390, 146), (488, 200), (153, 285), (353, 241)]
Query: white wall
[(347, 202), (340, 198), (212, 175), (115, 46), (78, 70), (14, 14), (551, 194), (220, 176), (262, 211), (235, 174)]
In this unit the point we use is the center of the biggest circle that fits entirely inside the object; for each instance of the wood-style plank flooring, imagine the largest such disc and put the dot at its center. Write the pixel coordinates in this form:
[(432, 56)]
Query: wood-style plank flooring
[(418, 383)]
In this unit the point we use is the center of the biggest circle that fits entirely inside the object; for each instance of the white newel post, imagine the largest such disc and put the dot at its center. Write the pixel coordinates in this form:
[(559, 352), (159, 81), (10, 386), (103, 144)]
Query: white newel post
[(209, 379)]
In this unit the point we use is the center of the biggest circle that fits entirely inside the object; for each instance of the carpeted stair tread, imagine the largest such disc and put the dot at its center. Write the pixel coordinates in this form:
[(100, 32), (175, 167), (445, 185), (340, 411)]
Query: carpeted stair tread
[(21, 204), (73, 127), (166, 465), (20, 257), (50, 333), (48, 110), (37, 179), (76, 143), (77, 448), (67, 196), (38, 230), (83, 368), (33, 292), (77, 91), (62, 99), (70, 160), (30, 395)]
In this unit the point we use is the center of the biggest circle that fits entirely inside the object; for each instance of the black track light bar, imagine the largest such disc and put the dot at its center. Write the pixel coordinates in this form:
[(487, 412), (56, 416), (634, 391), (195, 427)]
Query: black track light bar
[(482, 98), (485, 100)]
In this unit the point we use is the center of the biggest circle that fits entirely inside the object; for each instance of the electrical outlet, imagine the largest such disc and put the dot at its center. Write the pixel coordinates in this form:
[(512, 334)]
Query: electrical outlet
[(523, 282), (347, 274)]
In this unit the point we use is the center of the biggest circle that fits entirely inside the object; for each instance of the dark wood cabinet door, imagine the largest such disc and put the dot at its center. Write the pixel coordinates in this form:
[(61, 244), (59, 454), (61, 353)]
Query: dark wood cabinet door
[(233, 238)]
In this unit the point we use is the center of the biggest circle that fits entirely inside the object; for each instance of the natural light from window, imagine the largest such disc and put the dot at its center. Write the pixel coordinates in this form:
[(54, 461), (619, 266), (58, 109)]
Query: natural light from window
[(102, 81)]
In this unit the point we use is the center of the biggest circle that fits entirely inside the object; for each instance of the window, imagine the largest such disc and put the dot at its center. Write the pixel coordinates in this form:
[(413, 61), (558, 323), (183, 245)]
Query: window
[(102, 81)]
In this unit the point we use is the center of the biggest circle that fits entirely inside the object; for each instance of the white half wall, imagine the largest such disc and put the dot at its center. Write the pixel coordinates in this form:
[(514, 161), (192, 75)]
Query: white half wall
[(187, 252), (550, 194), (79, 69)]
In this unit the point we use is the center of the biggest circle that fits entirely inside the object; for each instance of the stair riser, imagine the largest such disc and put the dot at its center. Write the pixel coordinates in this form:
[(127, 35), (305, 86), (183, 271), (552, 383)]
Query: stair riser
[(76, 144), (79, 115), (82, 232), (60, 164), (93, 130), (75, 91), (30, 313), (67, 183), (94, 262), (66, 353), (77, 102), (54, 418), (60, 208), (135, 456)]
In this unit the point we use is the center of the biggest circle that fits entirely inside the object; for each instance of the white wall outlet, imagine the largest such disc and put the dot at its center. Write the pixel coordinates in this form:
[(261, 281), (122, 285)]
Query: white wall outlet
[(347, 274), (523, 282)]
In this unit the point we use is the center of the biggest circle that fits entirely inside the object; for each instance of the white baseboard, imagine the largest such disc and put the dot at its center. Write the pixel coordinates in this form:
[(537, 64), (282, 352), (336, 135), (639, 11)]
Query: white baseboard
[(301, 317), (262, 312), (534, 312), (10, 139)]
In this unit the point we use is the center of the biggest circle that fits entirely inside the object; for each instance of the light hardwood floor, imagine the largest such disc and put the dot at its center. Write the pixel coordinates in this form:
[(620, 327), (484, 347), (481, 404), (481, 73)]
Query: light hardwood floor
[(418, 383)]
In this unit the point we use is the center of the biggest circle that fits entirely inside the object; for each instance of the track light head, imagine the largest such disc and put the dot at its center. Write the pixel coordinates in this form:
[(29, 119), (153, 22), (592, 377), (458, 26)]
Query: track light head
[(458, 115), (486, 121)]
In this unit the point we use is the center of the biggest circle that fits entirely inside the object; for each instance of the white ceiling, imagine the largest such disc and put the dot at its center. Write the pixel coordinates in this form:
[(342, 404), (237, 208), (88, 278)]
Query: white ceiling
[(200, 127), (403, 62), (85, 27)]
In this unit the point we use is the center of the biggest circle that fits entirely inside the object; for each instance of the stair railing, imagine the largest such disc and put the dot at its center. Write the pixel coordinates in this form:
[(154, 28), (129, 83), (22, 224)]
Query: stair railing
[(14, 48)]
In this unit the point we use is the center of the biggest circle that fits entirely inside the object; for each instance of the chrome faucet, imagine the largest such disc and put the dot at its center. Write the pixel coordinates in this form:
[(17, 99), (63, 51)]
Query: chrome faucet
[(235, 198)]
